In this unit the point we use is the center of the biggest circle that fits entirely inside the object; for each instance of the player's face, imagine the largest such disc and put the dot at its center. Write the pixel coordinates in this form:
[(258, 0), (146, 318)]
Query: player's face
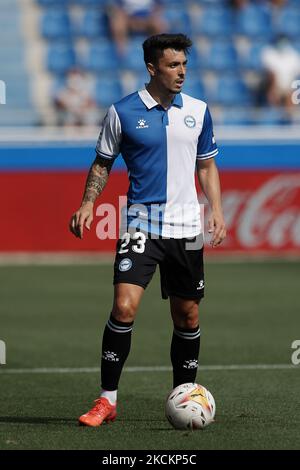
[(170, 71)]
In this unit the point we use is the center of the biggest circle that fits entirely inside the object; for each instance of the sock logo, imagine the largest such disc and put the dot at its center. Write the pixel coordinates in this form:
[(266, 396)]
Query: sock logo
[(190, 364), (110, 356)]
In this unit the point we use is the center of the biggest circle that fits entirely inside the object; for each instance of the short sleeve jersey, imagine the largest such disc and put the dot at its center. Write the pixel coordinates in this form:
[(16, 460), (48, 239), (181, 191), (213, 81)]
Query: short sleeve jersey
[(160, 148)]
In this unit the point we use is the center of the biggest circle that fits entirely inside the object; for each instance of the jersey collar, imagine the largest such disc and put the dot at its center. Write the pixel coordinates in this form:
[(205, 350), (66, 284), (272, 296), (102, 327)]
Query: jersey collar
[(150, 102)]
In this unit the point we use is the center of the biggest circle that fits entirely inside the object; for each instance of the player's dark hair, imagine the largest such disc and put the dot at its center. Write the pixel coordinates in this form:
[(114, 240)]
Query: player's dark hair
[(154, 46)]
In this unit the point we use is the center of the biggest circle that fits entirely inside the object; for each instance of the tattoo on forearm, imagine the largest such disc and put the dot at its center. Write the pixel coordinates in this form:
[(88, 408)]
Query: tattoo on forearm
[(97, 179)]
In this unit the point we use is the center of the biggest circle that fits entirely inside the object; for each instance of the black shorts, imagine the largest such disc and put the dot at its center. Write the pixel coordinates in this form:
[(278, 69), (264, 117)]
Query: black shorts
[(180, 262)]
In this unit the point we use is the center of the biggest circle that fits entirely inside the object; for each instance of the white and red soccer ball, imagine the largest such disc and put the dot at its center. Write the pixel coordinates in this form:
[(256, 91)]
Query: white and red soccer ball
[(190, 406)]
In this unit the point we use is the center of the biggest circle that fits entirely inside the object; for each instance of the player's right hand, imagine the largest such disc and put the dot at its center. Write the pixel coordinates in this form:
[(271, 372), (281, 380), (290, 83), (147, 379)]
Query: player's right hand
[(82, 217)]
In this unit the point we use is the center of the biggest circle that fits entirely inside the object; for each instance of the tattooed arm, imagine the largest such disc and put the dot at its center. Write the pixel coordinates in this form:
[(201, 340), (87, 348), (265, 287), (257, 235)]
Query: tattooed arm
[(95, 183)]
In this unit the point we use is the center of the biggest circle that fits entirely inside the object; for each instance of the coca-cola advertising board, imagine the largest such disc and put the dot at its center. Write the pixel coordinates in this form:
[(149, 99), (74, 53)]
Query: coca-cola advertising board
[(262, 212)]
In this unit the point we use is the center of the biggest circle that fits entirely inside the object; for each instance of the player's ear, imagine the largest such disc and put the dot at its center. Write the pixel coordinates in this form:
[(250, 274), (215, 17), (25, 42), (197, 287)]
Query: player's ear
[(151, 69)]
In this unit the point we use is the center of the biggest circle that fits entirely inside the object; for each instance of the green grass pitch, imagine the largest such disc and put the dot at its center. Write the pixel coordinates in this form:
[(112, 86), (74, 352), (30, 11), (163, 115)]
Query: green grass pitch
[(53, 316)]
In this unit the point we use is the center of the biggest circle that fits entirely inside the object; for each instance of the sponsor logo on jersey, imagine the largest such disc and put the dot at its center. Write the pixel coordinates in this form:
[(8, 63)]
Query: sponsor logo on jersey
[(190, 121), (201, 285), (125, 264), (142, 124)]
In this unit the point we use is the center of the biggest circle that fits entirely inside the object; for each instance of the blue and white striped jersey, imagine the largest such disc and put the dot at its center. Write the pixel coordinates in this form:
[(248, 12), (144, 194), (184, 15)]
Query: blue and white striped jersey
[(160, 148)]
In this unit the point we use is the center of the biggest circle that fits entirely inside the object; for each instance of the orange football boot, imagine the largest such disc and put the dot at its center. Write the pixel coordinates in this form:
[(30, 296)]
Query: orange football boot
[(102, 411)]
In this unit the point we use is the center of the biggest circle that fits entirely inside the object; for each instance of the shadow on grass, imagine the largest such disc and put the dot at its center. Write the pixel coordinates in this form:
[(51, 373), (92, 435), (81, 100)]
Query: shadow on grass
[(46, 420), (38, 420)]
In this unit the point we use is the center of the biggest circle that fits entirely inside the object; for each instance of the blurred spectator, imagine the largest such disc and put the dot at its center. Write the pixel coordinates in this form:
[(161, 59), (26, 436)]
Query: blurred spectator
[(278, 3), (282, 65), (74, 103), (134, 16), (238, 4)]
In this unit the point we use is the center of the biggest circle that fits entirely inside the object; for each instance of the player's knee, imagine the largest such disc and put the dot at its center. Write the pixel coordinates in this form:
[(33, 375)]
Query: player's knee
[(187, 317), (190, 321), (124, 310)]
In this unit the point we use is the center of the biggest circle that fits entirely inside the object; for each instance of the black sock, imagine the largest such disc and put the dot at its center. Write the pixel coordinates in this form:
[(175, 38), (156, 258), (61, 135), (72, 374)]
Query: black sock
[(115, 349), (184, 354)]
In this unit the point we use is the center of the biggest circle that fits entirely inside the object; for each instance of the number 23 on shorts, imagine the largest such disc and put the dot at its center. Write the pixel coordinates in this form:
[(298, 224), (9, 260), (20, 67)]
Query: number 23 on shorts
[(139, 247)]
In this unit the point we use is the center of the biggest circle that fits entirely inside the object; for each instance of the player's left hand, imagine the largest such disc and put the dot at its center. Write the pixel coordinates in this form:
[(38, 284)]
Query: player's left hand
[(216, 226)]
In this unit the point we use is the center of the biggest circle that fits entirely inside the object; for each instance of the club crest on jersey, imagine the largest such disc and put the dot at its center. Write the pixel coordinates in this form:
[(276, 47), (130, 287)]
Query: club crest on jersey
[(125, 264), (190, 121), (142, 124)]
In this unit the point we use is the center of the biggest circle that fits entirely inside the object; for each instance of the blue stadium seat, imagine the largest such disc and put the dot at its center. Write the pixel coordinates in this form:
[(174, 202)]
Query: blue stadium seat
[(50, 3), (193, 59), (108, 90), (296, 44), (252, 59), (288, 22), (55, 24), (232, 90), (214, 22), (193, 86), (221, 55), (94, 24), (214, 2), (90, 3), (171, 3), (134, 59), (101, 57), (272, 116), (178, 19), (61, 57), (236, 117), (141, 80), (253, 20)]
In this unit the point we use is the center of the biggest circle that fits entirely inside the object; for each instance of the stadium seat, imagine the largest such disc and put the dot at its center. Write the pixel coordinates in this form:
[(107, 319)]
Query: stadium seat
[(193, 59), (49, 3), (252, 58), (92, 3), (221, 55), (171, 3), (178, 19), (133, 58), (94, 24), (214, 22), (271, 116), (101, 57), (193, 86), (236, 117), (61, 57), (55, 24), (108, 90), (288, 22), (231, 90), (253, 20)]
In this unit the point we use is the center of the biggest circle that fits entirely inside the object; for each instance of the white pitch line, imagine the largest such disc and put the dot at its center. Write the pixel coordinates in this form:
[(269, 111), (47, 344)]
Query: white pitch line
[(88, 370)]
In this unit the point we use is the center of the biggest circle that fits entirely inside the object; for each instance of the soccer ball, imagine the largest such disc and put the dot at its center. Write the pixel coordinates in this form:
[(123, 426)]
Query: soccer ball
[(190, 406)]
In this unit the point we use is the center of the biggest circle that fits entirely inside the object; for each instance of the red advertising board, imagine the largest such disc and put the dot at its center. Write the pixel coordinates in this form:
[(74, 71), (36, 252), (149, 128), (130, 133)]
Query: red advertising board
[(262, 212)]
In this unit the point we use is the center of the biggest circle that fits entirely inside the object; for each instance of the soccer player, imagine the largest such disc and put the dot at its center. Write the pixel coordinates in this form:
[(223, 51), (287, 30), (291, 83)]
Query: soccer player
[(164, 136)]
